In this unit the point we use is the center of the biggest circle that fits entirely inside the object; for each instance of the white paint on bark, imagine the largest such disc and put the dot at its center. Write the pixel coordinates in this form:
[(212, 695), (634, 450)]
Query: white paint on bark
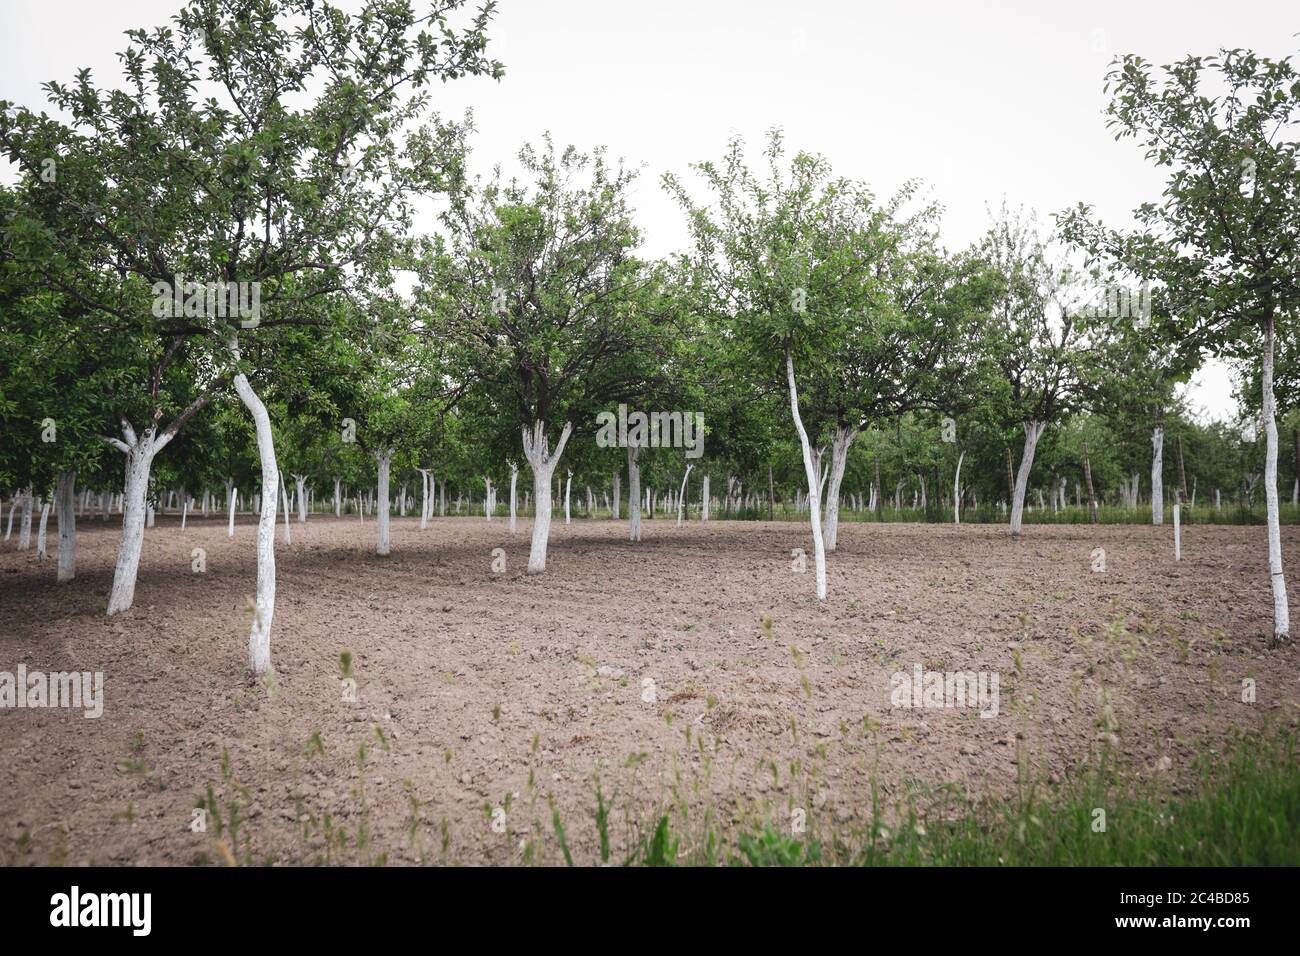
[(66, 516), (1033, 432), (259, 635), (543, 465), (811, 466), (1157, 475), (1281, 608)]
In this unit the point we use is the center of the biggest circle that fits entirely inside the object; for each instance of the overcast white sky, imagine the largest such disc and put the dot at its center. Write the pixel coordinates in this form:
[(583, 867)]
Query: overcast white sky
[(980, 99)]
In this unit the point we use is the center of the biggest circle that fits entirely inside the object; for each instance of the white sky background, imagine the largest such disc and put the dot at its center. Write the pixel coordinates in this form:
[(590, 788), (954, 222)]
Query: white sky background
[(980, 100)]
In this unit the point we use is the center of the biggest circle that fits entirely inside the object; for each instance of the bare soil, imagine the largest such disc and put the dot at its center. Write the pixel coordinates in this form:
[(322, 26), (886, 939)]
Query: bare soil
[(501, 689)]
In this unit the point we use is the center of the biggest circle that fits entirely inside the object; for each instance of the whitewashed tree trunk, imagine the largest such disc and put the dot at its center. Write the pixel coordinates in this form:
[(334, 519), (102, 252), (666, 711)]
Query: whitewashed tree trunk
[(384, 459), (1218, 501), (840, 445), (13, 507), (140, 452), (514, 495), (233, 494), (681, 497), (487, 498), (259, 635), (1157, 476), (185, 510), (66, 516), (568, 489), (25, 526), (543, 465), (1281, 607), (284, 496), (633, 493), (704, 500), (615, 501), (956, 490), (811, 466), (1033, 432), (425, 481), (1178, 531), (300, 482), (40, 534)]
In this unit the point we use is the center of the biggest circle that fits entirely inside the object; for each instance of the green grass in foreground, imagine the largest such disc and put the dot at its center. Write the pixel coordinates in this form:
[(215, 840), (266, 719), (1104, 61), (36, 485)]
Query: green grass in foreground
[(1245, 811)]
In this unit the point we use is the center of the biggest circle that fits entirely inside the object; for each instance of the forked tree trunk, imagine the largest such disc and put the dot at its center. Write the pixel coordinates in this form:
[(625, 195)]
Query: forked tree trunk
[(811, 467), (140, 452), (66, 515), (384, 460), (840, 445), (543, 465), (633, 493), (259, 634), (1033, 432), (1157, 475), (1281, 608), (300, 482), (681, 498)]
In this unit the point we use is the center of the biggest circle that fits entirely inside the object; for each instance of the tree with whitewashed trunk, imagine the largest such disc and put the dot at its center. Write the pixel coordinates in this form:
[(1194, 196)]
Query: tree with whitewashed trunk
[(217, 98), (568, 493), (633, 490), (1221, 238), (681, 496), (550, 316), (1035, 337), (780, 263)]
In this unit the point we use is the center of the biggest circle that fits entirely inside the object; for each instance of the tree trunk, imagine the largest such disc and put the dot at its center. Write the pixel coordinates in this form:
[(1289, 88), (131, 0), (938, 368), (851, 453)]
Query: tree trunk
[(568, 491), (704, 500), (1157, 476), (300, 482), (633, 493), (384, 459), (681, 498), (259, 635), (1182, 473), (615, 501), (1295, 450), (956, 490), (25, 527), (811, 466), (40, 534), (1281, 609), (284, 499), (840, 445), (66, 515), (139, 459), (543, 464), (514, 482), (1033, 432), (1087, 479)]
